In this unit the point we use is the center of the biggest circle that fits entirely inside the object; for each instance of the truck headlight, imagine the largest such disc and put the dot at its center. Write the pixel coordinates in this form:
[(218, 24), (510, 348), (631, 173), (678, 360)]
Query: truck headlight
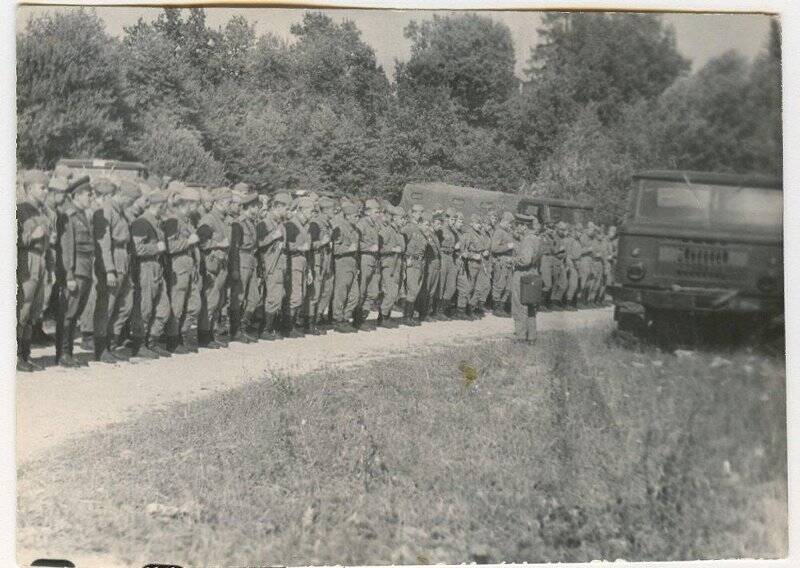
[(636, 271)]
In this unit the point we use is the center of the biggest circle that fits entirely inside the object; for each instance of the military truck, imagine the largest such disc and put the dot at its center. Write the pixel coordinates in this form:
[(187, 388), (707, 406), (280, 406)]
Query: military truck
[(697, 245), (98, 168), (470, 200)]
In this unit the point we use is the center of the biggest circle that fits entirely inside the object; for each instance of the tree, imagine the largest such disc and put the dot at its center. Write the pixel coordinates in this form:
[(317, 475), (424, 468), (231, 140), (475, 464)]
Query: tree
[(469, 55), (69, 95)]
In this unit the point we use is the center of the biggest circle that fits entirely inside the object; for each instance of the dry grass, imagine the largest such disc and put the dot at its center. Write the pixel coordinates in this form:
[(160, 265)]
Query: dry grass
[(573, 450)]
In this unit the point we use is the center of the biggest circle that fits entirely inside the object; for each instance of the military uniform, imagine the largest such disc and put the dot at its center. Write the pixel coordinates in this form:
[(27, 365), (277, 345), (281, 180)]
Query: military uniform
[(393, 244), (244, 288), (214, 244), (370, 265), (526, 261), (319, 229), (298, 245), (415, 256), (448, 242), (345, 238), (33, 243), (430, 290), (270, 234), (154, 307), (502, 252), (470, 260)]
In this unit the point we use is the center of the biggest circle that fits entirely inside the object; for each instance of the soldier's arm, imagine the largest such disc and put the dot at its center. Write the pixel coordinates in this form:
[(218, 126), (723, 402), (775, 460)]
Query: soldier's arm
[(102, 234), (68, 255), (143, 243)]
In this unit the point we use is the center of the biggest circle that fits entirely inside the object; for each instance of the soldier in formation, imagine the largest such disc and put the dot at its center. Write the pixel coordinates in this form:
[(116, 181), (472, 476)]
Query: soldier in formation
[(154, 268)]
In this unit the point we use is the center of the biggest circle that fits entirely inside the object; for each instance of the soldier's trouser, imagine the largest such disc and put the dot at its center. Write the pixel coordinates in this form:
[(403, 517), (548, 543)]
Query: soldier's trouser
[(572, 281), (501, 280), (558, 276), (447, 278), (185, 299), (584, 274), (430, 291), (597, 277), (415, 271), (609, 271), (155, 309), (466, 280), (323, 285), (213, 292), (390, 282), (560, 283), (114, 305), (483, 287), (369, 287), (345, 292), (31, 297), (524, 315), (244, 293), (87, 317), (546, 272), (73, 304), (298, 281), (272, 297)]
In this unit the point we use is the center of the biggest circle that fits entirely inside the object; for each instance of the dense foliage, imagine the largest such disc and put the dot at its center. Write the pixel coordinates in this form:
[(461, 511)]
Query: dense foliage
[(602, 96)]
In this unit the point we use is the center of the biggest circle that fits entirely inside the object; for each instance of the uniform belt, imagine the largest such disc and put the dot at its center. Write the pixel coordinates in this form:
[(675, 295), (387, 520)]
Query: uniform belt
[(371, 252), (345, 253), (186, 252), (250, 250), (297, 253), (446, 251)]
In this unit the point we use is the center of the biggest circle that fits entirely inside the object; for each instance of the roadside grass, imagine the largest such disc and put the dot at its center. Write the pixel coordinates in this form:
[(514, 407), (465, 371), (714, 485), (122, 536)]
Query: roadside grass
[(573, 450)]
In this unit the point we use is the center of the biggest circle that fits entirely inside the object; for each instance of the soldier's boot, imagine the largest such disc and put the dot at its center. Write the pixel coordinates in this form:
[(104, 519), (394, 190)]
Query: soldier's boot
[(66, 359), (477, 311), (206, 340), (387, 322), (158, 348), (102, 351), (117, 348), (295, 332), (344, 327), (311, 327), (39, 337), (268, 332), (87, 342), (23, 352), (175, 345)]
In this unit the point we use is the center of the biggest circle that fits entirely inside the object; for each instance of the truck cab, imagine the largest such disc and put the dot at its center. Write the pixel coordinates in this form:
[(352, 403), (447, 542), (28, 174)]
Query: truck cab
[(700, 243)]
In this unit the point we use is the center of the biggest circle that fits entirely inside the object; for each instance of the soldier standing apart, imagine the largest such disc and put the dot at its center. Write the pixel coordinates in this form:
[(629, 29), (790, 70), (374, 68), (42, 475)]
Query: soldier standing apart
[(33, 243), (298, 245), (150, 246), (212, 231), (270, 231), (393, 245), (184, 269), (416, 244), (527, 259), (370, 249), (244, 289), (344, 240), (448, 243), (77, 256), (502, 249)]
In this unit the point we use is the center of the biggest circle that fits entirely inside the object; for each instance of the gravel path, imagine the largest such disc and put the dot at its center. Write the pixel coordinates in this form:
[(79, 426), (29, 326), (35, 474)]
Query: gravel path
[(58, 404)]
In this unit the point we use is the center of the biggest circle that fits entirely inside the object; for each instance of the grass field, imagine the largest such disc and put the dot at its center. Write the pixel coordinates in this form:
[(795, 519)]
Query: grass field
[(572, 450)]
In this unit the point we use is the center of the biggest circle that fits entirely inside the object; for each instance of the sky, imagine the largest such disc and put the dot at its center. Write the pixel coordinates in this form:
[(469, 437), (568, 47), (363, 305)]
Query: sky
[(699, 37)]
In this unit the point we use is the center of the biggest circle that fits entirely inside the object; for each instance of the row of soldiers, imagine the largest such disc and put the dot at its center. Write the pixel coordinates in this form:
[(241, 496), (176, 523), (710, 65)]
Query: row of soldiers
[(151, 271)]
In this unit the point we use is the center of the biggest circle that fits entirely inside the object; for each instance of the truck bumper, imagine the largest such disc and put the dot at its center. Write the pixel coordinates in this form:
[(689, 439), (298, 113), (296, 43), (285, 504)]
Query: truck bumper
[(635, 300)]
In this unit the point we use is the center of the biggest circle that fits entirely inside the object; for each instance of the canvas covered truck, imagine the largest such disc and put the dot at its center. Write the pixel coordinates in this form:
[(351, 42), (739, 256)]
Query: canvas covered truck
[(469, 200), (697, 246), (98, 168)]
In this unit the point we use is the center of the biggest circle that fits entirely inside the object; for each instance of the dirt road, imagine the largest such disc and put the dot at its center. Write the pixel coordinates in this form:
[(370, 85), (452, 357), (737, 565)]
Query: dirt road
[(57, 404)]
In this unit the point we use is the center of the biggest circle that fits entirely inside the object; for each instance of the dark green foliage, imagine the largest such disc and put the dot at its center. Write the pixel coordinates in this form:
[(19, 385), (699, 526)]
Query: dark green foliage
[(604, 95)]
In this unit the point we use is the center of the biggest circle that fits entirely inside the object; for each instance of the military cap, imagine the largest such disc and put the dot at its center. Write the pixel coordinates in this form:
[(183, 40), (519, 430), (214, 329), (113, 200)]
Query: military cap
[(326, 202), (349, 208), (241, 187), (417, 208), (220, 193), (300, 192), (62, 171), (80, 184), (438, 216), (249, 199), (450, 212), (372, 204), (129, 188), (399, 211), (105, 186), (459, 215), (314, 195), (305, 202), (282, 198), (58, 184)]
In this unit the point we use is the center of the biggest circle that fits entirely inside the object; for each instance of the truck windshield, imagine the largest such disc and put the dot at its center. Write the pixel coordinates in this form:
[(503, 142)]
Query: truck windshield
[(680, 203)]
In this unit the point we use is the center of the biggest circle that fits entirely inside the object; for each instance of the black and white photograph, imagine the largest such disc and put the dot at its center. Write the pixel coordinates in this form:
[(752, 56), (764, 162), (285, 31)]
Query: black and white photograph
[(304, 286)]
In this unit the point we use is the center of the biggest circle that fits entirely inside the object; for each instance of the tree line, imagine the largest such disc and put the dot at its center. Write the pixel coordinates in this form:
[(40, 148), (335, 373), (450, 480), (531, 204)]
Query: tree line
[(603, 94)]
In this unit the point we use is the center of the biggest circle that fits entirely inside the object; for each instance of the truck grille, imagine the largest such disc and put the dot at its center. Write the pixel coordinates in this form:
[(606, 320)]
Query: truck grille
[(691, 258)]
